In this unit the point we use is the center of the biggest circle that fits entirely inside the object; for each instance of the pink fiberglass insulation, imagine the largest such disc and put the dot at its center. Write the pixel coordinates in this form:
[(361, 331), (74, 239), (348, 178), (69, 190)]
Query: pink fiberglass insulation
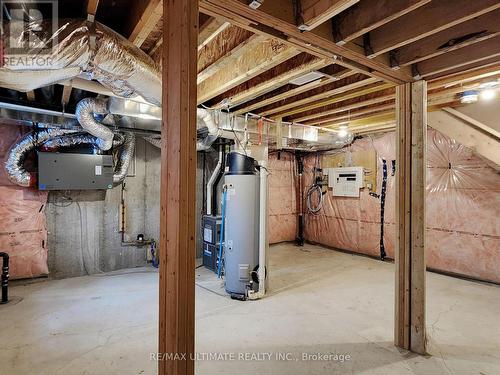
[(463, 230), (23, 233), (282, 198)]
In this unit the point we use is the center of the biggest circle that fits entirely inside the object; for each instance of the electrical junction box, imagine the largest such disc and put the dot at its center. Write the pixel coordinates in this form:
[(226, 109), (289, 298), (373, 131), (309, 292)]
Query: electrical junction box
[(68, 171), (346, 181)]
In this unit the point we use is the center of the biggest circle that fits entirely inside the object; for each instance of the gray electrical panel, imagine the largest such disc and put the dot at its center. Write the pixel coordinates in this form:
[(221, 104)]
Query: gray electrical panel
[(66, 171)]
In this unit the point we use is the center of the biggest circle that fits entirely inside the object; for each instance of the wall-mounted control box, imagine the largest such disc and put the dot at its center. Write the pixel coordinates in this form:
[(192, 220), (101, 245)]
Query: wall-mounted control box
[(68, 171), (346, 181)]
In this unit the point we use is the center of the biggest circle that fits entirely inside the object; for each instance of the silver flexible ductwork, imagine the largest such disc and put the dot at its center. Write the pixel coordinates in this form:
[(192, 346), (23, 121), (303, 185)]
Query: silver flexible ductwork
[(85, 111), (81, 48), (55, 138), (125, 156), (155, 140), (14, 164), (205, 120)]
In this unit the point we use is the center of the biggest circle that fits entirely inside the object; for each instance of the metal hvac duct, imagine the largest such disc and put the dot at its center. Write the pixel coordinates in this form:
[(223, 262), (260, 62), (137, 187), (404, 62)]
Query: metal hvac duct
[(79, 48)]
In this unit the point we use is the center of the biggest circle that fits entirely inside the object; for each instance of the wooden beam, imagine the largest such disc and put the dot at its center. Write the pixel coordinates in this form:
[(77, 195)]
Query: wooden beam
[(66, 95), (229, 57), (146, 22), (425, 21), (315, 12), (273, 18), (411, 134), (277, 81), (257, 59), (368, 15), (456, 37), (178, 185), (210, 29), (331, 115), (485, 50), (296, 91), (358, 88)]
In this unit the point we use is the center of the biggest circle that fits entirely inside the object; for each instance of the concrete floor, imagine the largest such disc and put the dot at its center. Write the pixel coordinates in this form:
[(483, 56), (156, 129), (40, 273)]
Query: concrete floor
[(321, 301)]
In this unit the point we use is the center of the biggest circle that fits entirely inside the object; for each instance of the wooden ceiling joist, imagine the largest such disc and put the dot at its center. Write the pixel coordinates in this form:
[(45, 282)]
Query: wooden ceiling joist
[(256, 59), (316, 12), (323, 98), (260, 103), (277, 81), (324, 116), (465, 34), (485, 50), (229, 57), (368, 15), (276, 18), (426, 21), (209, 30), (146, 22)]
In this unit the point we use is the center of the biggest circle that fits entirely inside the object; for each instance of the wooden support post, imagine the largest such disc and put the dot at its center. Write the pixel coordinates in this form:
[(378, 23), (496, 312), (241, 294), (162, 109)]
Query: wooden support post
[(411, 107), (177, 194)]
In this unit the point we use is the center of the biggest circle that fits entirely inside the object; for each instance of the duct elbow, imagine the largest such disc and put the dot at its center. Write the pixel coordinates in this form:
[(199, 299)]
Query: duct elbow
[(85, 111)]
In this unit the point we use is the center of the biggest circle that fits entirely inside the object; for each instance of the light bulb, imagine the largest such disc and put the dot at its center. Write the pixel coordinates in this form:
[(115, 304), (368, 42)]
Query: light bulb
[(488, 94)]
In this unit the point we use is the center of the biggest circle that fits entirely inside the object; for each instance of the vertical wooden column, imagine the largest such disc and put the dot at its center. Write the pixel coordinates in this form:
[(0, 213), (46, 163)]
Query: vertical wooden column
[(411, 109), (178, 181)]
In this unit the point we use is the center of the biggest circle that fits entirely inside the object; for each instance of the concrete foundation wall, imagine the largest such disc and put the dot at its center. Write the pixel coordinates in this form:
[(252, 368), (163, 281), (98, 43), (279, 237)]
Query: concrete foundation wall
[(83, 226)]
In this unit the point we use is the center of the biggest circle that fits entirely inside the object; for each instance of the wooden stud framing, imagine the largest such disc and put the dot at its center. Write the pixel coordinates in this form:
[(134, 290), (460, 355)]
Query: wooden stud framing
[(178, 182), (411, 129), (146, 22)]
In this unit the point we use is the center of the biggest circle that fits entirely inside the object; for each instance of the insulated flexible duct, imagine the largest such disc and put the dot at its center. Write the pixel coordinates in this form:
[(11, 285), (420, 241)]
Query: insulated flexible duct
[(14, 164), (51, 138), (77, 47), (85, 110), (126, 153)]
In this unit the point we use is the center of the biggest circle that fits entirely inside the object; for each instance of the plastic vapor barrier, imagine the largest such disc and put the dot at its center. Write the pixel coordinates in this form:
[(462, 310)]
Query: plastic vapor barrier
[(282, 203), (463, 230)]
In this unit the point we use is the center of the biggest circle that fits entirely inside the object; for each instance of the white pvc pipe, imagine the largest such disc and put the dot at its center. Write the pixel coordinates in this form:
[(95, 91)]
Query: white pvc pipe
[(262, 233), (211, 182)]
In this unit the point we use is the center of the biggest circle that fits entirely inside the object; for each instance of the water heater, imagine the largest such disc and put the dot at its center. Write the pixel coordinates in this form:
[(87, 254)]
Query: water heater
[(241, 254)]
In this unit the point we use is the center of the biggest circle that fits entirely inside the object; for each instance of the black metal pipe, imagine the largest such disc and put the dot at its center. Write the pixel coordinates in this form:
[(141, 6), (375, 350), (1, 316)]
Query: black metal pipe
[(5, 278)]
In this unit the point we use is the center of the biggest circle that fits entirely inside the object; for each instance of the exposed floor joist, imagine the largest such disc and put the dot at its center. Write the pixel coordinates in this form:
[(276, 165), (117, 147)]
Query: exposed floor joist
[(146, 22), (257, 58), (425, 21), (316, 12), (260, 103), (368, 15), (276, 19), (277, 81), (209, 30), (465, 34), (487, 49)]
